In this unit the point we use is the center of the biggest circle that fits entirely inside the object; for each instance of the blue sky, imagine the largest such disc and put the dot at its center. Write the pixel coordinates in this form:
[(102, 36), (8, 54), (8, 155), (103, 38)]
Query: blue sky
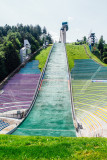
[(83, 16)]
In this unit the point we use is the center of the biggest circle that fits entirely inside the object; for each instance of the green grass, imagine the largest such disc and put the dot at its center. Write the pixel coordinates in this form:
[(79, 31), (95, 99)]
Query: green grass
[(42, 57), (92, 56), (75, 52), (60, 148), (78, 52)]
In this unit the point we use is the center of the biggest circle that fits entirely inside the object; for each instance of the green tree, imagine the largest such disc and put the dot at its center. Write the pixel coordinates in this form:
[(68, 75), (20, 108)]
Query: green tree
[(12, 59), (44, 30), (11, 41), (105, 48), (3, 72), (34, 43), (49, 38), (84, 39), (38, 30), (101, 45), (13, 37)]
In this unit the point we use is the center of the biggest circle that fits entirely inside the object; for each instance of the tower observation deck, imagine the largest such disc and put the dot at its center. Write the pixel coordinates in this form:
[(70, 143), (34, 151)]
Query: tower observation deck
[(63, 30)]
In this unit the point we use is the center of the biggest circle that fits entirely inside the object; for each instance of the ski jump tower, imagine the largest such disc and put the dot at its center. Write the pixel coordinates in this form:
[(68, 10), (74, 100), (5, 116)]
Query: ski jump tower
[(63, 30)]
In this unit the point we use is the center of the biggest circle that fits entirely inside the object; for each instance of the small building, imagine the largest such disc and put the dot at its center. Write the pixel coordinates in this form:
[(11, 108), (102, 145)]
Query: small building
[(27, 44), (25, 51)]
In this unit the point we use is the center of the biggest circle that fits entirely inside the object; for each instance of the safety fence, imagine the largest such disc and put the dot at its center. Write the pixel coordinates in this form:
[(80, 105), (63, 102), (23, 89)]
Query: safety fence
[(3, 124)]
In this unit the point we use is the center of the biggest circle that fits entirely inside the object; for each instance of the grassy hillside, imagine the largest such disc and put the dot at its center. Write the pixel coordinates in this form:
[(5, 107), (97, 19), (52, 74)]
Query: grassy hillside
[(92, 56), (43, 148), (75, 52), (42, 57)]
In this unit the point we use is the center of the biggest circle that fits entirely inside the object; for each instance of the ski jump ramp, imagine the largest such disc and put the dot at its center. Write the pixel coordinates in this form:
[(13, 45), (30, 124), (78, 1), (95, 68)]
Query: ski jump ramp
[(51, 114)]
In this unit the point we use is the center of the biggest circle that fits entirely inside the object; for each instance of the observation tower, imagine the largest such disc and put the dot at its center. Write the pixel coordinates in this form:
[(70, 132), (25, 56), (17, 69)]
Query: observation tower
[(63, 30)]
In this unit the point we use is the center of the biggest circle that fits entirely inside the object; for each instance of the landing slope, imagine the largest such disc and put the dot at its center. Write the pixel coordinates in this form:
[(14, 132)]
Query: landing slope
[(89, 83), (51, 114)]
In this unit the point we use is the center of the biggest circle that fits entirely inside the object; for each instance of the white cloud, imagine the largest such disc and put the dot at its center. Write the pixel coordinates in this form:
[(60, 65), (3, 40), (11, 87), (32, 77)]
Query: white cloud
[(70, 19)]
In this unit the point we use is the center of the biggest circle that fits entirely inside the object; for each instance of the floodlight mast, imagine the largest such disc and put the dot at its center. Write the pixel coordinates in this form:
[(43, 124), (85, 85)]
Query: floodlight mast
[(63, 30)]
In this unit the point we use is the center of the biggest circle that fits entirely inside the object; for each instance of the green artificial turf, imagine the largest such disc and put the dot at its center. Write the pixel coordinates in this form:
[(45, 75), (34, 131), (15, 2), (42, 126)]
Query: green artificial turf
[(60, 148)]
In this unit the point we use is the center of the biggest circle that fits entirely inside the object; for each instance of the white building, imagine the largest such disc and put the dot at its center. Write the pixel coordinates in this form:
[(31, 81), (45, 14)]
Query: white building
[(25, 51), (27, 44)]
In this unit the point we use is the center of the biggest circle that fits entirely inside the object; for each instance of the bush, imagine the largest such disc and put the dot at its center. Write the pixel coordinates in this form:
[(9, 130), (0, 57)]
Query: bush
[(105, 60), (3, 71)]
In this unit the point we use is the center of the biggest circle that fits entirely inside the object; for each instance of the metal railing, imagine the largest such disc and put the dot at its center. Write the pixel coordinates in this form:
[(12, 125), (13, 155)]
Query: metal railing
[(76, 124), (36, 92)]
